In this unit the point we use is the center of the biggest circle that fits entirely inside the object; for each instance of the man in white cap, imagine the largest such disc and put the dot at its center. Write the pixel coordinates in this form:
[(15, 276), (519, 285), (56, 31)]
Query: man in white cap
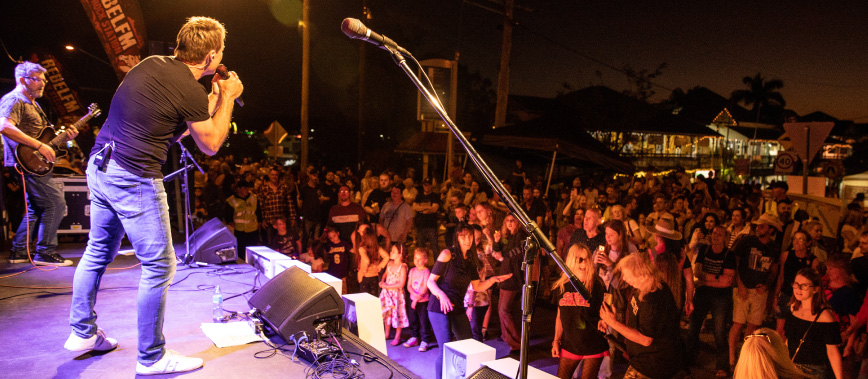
[(756, 262)]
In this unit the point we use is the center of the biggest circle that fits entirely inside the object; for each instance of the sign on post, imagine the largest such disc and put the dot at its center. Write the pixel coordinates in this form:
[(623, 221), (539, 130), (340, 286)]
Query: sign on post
[(784, 163)]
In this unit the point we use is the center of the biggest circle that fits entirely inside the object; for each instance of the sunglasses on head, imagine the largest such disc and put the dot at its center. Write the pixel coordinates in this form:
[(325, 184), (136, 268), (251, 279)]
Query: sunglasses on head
[(766, 336)]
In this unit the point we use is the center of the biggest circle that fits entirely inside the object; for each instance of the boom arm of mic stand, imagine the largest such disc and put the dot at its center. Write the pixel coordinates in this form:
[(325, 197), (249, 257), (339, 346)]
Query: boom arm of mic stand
[(492, 179), (189, 156)]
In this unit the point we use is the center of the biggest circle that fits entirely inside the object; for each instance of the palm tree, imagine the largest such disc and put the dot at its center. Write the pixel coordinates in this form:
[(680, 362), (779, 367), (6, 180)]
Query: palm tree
[(761, 93)]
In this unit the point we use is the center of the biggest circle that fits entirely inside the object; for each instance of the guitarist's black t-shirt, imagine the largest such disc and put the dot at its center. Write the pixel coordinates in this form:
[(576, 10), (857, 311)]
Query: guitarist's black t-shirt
[(25, 116), (149, 111)]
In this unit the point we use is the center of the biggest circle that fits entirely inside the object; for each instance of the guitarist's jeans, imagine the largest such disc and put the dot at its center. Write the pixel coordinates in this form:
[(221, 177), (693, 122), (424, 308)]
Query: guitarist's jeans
[(45, 205), (120, 202)]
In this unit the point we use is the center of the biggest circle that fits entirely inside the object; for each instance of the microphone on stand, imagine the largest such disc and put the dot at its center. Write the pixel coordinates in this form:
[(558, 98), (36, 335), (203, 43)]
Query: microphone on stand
[(355, 29), (224, 74)]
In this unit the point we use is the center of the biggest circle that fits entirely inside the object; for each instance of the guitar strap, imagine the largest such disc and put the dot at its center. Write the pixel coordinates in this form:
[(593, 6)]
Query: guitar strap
[(42, 114)]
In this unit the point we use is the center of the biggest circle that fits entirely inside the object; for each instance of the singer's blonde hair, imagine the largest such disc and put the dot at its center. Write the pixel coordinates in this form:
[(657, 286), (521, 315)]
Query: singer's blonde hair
[(198, 37)]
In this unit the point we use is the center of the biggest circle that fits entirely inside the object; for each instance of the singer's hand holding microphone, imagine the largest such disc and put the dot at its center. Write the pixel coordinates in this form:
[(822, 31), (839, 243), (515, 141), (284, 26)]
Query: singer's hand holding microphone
[(228, 84)]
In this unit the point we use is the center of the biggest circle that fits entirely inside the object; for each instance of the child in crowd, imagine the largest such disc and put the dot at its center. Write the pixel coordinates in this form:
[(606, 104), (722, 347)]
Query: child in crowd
[(417, 310), (338, 253), (392, 293), (285, 241), (314, 256)]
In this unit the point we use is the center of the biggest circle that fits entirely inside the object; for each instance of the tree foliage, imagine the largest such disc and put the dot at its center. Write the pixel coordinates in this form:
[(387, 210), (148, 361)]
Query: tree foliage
[(641, 86), (762, 95)]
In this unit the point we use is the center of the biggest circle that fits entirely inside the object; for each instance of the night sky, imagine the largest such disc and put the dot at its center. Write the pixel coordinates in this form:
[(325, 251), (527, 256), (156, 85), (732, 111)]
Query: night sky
[(818, 50)]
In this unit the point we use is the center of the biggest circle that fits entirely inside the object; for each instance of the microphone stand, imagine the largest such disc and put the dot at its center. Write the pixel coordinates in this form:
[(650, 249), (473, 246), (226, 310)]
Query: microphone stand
[(538, 238), (186, 165)]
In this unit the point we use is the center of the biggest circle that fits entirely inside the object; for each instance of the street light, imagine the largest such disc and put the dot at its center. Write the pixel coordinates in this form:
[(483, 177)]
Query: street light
[(73, 48)]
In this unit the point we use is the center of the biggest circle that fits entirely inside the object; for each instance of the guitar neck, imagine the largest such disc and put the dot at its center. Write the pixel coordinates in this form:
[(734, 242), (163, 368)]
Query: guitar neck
[(61, 138), (82, 121)]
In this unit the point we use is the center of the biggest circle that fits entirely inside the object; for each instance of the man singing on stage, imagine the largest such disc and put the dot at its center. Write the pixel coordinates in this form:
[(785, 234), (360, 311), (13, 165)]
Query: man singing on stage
[(21, 120), (158, 101)]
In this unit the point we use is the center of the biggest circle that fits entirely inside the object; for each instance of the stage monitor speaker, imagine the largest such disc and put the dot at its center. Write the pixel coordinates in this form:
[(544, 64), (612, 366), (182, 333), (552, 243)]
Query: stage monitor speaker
[(293, 302), (486, 372), (213, 243), (465, 356)]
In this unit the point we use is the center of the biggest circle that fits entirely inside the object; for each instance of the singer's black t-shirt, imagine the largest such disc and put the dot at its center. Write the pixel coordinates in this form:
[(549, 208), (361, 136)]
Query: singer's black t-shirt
[(148, 113)]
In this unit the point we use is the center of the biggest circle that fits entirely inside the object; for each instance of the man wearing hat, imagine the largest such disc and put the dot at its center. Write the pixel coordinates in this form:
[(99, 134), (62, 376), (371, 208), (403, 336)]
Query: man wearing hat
[(245, 215), (756, 264)]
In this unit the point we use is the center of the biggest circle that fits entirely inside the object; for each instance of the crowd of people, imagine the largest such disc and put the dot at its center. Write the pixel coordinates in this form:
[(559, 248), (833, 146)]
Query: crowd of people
[(671, 255)]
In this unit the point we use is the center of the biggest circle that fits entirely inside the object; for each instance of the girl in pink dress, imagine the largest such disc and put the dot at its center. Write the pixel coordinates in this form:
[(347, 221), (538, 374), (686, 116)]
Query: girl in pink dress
[(392, 293)]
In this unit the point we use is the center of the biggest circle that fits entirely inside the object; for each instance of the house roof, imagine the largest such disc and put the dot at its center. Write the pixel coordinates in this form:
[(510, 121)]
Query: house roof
[(557, 133), (761, 133), (703, 105), (604, 109), (424, 143), (524, 108)]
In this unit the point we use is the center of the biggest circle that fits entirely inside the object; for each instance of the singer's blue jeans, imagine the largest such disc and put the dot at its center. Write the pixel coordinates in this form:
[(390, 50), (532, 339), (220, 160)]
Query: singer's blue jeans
[(121, 201)]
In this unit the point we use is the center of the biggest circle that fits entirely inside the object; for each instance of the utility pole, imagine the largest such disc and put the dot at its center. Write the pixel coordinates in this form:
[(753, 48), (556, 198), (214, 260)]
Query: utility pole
[(503, 75), (305, 81)]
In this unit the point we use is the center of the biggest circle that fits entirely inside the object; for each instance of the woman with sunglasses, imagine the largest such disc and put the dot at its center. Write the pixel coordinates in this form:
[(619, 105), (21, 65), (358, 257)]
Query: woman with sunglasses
[(811, 331), (764, 356), (576, 336)]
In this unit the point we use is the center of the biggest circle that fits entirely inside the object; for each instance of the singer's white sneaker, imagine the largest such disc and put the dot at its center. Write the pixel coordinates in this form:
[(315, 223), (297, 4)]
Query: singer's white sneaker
[(96, 342), (172, 361)]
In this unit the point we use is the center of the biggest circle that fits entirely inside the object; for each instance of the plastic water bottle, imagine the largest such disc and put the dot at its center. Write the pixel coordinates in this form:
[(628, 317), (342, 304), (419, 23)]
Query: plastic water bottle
[(217, 311)]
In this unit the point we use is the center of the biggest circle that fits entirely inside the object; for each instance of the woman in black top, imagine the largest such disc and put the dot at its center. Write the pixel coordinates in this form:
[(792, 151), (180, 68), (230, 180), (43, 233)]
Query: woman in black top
[(455, 269), (812, 333), (576, 336), (791, 262), (651, 329)]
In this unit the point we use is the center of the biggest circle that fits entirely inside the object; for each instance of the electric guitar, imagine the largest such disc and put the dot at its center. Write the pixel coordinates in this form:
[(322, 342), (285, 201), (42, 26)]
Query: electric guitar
[(33, 162)]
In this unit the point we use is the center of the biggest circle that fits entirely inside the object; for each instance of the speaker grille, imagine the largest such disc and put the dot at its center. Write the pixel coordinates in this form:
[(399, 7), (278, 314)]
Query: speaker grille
[(293, 301), (485, 372), (213, 243)]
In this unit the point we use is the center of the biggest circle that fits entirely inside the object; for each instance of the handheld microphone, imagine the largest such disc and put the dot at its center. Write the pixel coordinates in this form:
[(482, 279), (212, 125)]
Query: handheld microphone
[(224, 73), (355, 29)]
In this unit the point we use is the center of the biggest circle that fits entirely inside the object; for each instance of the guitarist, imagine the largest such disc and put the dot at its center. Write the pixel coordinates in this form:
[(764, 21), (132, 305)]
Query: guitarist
[(21, 120)]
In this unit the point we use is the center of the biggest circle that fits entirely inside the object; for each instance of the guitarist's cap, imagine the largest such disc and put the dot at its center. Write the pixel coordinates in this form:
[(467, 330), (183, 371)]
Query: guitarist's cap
[(243, 184)]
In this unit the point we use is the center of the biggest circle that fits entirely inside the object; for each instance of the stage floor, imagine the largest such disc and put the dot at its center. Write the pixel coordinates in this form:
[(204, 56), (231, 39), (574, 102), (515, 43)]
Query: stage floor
[(35, 309), (35, 305)]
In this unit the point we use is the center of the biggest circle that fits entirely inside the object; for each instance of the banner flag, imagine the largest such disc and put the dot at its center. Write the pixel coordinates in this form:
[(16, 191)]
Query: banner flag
[(121, 29), (63, 98)]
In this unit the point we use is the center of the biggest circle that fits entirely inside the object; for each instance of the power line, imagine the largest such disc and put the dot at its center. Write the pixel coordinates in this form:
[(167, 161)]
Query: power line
[(590, 58)]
